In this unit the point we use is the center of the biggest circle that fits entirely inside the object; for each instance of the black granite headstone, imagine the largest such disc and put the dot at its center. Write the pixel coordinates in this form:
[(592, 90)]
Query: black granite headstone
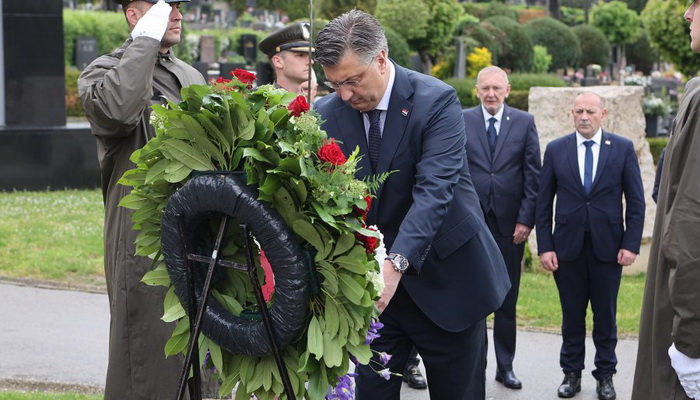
[(85, 51), (34, 63), (249, 48)]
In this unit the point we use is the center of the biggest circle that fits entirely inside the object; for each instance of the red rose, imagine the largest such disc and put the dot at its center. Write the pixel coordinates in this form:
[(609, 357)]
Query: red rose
[(370, 242), (222, 80), (243, 76), (330, 152), (361, 212), (298, 106)]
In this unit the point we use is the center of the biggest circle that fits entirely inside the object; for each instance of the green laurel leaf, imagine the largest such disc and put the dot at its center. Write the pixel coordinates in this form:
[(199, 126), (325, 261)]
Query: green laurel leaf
[(157, 277), (307, 231), (350, 288), (172, 308), (176, 149), (315, 338)]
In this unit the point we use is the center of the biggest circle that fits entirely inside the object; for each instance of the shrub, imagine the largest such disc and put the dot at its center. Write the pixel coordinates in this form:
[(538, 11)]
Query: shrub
[(595, 48), (474, 9), (669, 34), (73, 106), (641, 54), (478, 59), (494, 9), (561, 43), (655, 147), (110, 29), (485, 35), (572, 16), (398, 48), (520, 85), (516, 51), (526, 81), (541, 60)]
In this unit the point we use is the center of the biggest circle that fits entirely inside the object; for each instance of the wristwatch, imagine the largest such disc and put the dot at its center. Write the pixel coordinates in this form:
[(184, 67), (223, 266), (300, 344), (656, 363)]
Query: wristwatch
[(400, 262)]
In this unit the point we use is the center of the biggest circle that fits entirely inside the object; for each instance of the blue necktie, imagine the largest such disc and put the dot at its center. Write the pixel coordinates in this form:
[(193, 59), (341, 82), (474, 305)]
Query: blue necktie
[(588, 167), (491, 132), (374, 141)]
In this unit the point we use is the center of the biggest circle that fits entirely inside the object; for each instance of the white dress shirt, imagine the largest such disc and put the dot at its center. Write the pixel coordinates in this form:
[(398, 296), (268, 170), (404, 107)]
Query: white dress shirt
[(581, 150)]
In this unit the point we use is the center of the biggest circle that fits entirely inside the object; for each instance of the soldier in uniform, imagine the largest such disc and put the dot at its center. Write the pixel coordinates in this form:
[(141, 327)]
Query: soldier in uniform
[(288, 50), (117, 91)]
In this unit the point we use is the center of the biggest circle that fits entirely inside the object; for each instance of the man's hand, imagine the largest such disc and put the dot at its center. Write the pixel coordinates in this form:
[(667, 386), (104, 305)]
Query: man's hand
[(625, 257), (391, 282), (521, 233), (549, 261), (154, 22), (688, 371)]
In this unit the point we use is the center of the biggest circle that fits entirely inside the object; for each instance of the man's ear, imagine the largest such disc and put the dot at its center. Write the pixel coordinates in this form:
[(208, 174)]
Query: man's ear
[(276, 61)]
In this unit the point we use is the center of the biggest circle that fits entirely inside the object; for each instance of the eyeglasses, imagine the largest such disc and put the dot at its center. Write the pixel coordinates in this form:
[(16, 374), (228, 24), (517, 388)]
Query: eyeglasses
[(349, 83)]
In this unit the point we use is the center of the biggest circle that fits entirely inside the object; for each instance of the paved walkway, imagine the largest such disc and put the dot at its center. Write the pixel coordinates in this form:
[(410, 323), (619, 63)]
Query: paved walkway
[(61, 337)]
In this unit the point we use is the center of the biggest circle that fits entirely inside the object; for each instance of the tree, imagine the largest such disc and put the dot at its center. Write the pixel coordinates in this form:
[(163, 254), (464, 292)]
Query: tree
[(619, 24), (669, 33), (333, 8), (516, 49), (561, 42), (427, 25), (595, 48)]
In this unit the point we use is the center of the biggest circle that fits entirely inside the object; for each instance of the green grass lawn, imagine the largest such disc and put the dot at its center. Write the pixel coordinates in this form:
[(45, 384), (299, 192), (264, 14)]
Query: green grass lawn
[(57, 237), (52, 236)]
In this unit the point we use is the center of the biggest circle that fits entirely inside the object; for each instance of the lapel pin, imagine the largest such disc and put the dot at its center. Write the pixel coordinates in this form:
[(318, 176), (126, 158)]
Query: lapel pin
[(404, 112), (507, 118), (607, 142)]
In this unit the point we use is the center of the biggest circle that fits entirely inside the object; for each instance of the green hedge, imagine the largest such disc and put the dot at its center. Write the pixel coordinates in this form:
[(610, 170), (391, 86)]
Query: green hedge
[(520, 85), (655, 147), (109, 27)]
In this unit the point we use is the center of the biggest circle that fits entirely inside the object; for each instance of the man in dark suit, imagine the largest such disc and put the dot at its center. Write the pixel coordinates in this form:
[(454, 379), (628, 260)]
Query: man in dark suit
[(444, 273), (503, 150), (589, 171)]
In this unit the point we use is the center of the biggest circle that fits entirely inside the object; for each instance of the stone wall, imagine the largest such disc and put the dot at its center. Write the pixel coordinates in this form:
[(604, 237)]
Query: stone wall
[(552, 110)]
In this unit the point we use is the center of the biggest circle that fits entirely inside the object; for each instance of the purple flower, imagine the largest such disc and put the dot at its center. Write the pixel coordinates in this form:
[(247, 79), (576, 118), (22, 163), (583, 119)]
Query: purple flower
[(374, 326), (385, 373), (343, 390), (384, 358)]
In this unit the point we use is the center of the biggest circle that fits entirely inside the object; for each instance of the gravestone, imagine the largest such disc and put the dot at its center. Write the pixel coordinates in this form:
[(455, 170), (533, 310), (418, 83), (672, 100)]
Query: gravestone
[(207, 49), (85, 51), (249, 48), (461, 60), (39, 150)]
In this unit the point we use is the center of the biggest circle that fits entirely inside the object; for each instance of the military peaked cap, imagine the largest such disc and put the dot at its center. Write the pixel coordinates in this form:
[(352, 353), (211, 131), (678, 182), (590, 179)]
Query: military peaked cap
[(294, 37)]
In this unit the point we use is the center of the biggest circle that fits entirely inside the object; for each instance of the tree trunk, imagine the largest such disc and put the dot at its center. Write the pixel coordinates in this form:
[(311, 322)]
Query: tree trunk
[(554, 9), (426, 61)]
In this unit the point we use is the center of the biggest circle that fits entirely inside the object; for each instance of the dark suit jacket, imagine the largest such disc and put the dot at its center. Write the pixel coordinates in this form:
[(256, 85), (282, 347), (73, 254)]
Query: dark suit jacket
[(428, 209), (512, 175), (617, 175)]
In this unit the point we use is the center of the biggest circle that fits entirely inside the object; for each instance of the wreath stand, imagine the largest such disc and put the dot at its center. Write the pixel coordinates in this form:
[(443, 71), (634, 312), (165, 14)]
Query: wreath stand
[(196, 311)]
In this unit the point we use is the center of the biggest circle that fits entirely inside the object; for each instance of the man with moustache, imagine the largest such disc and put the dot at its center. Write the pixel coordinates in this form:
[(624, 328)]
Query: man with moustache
[(117, 91), (589, 171), (668, 358), (503, 150)]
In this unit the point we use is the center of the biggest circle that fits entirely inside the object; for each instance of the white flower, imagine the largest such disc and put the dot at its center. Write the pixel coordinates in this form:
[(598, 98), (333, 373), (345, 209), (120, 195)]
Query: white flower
[(377, 277)]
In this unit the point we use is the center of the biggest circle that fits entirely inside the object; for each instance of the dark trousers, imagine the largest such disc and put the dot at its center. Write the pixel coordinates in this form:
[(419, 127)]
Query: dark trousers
[(454, 361), (504, 322), (580, 281)]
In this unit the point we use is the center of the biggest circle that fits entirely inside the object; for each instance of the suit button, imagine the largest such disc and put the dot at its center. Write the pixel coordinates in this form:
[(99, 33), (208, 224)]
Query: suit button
[(588, 203)]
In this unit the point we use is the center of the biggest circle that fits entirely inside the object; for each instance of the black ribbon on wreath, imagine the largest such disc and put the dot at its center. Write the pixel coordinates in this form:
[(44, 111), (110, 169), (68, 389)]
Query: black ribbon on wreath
[(187, 233)]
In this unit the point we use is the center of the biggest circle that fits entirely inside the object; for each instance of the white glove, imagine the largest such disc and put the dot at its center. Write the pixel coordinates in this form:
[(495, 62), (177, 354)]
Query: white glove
[(154, 23), (688, 371)]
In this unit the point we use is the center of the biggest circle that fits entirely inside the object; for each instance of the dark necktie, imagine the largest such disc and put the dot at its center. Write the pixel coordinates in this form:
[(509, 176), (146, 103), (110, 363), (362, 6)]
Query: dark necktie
[(588, 167), (491, 132), (374, 141)]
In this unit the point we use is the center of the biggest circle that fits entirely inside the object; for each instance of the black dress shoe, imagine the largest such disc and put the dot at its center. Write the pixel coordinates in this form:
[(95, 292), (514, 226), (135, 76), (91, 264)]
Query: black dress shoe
[(508, 379), (605, 388), (414, 378), (570, 385)]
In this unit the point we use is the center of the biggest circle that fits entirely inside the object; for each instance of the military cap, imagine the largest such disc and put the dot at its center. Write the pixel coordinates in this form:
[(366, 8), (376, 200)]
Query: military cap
[(125, 2), (294, 37)]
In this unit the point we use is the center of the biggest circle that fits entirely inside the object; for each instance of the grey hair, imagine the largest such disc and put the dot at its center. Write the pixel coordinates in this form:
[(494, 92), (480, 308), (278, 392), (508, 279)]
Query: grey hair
[(356, 32), (492, 69)]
